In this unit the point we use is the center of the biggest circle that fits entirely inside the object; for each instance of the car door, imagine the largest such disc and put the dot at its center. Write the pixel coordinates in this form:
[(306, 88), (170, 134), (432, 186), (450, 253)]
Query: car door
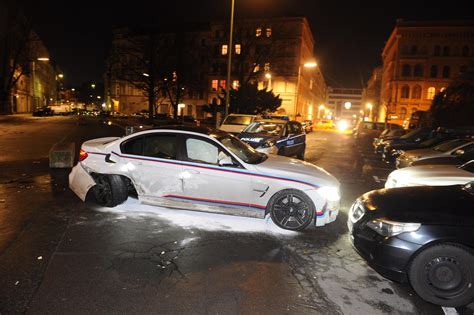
[(295, 138), (152, 163), (211, 187)]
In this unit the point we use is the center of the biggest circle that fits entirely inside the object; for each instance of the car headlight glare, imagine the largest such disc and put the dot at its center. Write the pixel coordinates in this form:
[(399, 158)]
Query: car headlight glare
[(389, 228), (330, 193)]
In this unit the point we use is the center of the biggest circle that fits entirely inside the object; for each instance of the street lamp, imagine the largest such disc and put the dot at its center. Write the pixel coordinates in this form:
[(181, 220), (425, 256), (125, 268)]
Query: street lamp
[(309, 64), (347, 105), (229, 61), (269, 77)]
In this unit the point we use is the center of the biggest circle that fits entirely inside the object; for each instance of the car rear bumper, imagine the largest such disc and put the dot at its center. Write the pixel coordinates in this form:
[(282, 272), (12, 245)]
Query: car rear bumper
[(80, 181)]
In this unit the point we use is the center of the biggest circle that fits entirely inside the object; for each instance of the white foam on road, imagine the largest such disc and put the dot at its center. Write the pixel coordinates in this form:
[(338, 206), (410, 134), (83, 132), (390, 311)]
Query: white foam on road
[(188, 219)]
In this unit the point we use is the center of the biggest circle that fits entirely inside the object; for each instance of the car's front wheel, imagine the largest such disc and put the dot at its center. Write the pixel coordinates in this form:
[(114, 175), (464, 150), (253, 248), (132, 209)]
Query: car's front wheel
[(291, 209), (110, 191), (443, 274)]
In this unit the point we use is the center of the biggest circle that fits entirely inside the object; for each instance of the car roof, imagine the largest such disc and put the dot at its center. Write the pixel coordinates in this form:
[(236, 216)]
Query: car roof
[(202, 130)]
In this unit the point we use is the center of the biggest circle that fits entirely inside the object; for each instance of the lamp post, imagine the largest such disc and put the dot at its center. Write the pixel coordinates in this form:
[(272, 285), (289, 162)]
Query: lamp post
[(229, 61), (310, 64)]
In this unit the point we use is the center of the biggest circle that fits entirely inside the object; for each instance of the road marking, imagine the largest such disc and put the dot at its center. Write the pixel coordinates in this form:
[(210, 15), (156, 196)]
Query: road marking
[(449, 310)]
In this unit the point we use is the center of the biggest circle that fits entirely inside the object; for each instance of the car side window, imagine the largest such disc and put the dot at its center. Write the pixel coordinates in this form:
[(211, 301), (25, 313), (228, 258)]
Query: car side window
[(160, 146), (297, 129), (133, 146), (201, 151)]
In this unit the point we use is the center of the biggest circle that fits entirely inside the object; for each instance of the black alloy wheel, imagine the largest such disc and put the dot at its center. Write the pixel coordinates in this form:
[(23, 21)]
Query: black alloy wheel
[(110, 190), (443, 275), (291, 210)]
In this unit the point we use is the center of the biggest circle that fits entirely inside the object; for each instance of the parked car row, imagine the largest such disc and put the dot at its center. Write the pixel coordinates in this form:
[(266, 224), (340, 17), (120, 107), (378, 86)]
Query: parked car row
[(418, 229)]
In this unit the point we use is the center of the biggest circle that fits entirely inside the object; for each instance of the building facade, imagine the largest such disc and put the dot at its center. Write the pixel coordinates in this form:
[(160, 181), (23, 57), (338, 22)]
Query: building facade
[(342, 103), (271, 53), (420, 59), (371, 94)]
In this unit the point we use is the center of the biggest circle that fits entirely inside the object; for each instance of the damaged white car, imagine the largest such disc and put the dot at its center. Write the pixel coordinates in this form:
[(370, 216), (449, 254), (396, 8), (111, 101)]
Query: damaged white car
[(208, 170)]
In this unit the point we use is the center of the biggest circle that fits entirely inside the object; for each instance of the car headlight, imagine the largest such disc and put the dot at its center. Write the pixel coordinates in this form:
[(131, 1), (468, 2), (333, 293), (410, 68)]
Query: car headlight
[(356, 212), (389, 228), (330, 193), (268, 144)]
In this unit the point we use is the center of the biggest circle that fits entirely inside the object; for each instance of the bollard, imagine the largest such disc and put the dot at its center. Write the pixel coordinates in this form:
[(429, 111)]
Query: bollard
[(61, 155)]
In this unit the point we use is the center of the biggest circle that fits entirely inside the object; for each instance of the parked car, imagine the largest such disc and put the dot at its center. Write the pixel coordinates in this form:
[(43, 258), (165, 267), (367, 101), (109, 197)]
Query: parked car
[(163, 119), (307, 125), (43, 111), (431, 175), (420, 235), (368, 130), (205, 169), (236, 123), (457, 159), (276, 136), (188, 120), (393, 147), (435, 137), (387, 134), (447, 148)]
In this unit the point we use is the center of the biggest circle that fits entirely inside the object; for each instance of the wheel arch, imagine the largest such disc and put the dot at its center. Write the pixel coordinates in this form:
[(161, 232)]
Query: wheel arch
[(270, 200)]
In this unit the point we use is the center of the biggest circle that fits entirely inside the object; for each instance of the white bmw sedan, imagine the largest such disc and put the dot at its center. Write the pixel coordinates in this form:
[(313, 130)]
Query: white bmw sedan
[(205, 170), (431, 175)]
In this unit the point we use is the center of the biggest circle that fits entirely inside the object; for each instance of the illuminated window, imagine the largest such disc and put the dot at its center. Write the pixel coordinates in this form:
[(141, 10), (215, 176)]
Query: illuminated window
[(258, 32), (256, 68), (267, 66), (442, 89), (260, 85), (235, 84), (224, 50), (238, 49), (431, 93), (311, 84), (405, 91), (223, 83), (416, 92), (403, 113), (214, 85), (268, 33)]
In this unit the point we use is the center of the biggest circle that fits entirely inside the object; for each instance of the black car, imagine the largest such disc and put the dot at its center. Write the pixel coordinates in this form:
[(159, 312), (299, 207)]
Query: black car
[(276, 136), (394, 146), (43, 111), (457, 159), (438, 136), (421, 235), (387, 134)]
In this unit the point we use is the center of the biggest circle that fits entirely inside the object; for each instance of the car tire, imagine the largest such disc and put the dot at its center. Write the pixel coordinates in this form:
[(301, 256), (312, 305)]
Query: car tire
[(110, 191), (443, 275), (281, 151), (291, 215)]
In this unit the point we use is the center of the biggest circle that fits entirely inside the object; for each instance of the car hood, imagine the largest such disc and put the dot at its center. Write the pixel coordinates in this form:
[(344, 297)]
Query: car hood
[(296, 169), (422, 153), (432, 175), (446, 160), (427, 204)]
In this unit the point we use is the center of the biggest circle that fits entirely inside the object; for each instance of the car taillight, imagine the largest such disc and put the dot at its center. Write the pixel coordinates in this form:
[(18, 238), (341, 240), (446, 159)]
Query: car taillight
[(82, 155)]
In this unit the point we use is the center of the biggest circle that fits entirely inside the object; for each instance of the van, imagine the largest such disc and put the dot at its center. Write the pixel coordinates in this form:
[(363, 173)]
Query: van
[(235, 123)]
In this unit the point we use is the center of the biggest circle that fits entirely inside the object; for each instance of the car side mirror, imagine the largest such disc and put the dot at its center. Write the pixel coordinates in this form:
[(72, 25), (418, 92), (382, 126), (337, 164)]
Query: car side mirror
[(226, 161), (459, 152)]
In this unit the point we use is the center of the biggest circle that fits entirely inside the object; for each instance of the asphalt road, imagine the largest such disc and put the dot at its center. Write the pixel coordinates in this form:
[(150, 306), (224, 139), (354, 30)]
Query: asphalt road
[(59, 255)]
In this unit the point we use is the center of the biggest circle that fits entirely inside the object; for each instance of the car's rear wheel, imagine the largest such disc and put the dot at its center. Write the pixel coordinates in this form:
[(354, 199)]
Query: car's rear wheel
[(291, 209), (110, 191), (443, 274)]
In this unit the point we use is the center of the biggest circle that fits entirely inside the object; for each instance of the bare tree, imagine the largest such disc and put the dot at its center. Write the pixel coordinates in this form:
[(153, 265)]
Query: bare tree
[(16, 43)]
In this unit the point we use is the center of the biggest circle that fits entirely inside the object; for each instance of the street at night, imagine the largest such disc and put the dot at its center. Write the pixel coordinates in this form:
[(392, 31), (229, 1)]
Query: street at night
[(60, 255)]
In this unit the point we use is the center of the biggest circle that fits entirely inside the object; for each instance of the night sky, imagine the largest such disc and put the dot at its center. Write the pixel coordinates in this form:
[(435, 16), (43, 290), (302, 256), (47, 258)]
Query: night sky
[(349, 35)]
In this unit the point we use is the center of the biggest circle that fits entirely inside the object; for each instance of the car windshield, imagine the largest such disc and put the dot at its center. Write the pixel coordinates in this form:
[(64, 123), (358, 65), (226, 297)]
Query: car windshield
[(450, 145), (244, 151), (265, 127), (238, 120), (469, 166), (410, 134)]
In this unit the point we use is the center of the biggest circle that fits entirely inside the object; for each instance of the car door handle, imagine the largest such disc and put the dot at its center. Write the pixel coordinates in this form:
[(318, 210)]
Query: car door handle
[(192, 171)]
